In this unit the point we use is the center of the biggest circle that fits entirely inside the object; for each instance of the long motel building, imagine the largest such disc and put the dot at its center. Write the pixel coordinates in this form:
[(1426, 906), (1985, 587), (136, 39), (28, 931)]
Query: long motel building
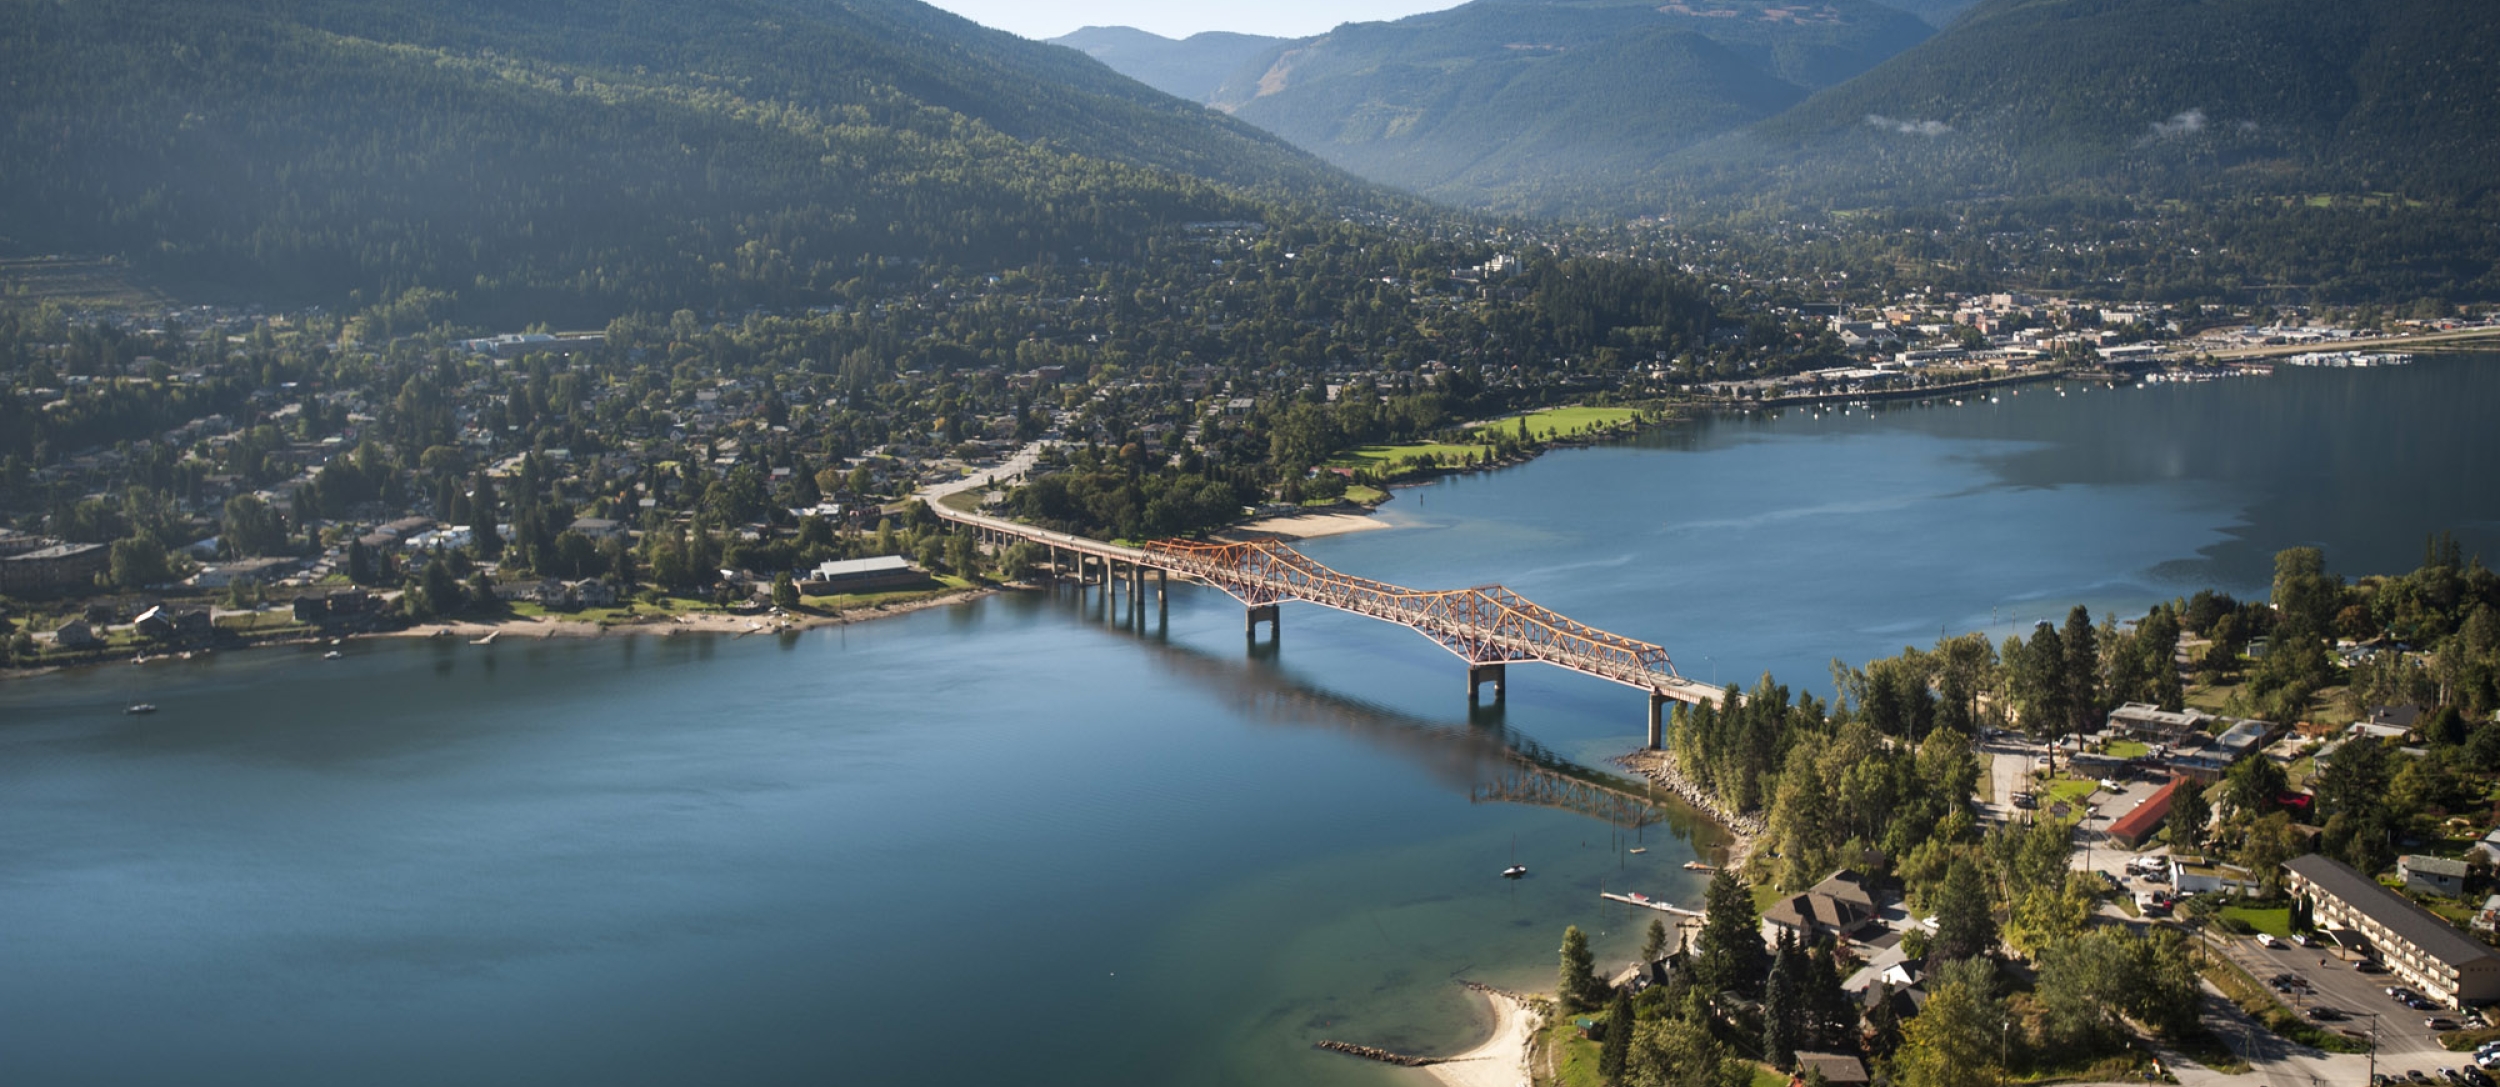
[(2429, 954)]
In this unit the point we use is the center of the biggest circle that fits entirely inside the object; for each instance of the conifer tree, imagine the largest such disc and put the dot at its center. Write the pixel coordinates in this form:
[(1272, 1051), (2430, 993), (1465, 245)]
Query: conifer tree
[(1577, 987), (1618, 1044)]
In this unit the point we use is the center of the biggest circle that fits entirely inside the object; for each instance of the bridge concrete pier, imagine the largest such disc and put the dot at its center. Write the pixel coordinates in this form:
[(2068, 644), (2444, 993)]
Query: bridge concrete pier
[(1657, 720), (1261, 613), (1163, 586), (1480, 674)]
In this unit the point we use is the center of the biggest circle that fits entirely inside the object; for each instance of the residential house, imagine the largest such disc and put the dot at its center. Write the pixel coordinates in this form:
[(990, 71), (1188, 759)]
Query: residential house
[(2432, 875), (1841, 906), (1838, 1069), (2196, 875), (76, 634)]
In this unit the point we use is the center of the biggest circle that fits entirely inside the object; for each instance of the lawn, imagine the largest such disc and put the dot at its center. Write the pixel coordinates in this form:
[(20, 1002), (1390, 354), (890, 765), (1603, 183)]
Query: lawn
[(1365, 496), (1554, 422), (1763, 897), (1392, 457), (262, 622), (2273, 922), (2128, 749), (1574, 1058), (2070, 790), (1764, 1077)]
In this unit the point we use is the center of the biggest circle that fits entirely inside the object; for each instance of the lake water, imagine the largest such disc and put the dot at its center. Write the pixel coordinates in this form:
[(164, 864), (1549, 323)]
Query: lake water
[(1023, 841)]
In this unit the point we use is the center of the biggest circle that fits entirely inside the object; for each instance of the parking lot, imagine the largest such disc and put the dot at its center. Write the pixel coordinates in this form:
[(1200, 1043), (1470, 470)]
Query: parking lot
[(2404, 1042)]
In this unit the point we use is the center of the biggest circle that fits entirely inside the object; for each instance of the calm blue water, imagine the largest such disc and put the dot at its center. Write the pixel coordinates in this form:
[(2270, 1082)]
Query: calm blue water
[(1016, 841)]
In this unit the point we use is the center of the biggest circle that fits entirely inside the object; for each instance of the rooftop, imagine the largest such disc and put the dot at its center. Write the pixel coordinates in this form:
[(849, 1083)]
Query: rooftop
[(2417, 926)]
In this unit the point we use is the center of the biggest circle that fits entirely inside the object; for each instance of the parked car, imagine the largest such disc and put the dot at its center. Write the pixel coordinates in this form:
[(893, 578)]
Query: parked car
[(2369, 966), (2401, 993), (2417, 1075), (2440, 1023), (2268, 940), (2326, 1014), (2306, 940), (2475, 1076)]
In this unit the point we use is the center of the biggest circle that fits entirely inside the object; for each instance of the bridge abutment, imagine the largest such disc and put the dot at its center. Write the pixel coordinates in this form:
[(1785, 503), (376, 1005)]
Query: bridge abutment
[(1657, 720), (1480, 674)]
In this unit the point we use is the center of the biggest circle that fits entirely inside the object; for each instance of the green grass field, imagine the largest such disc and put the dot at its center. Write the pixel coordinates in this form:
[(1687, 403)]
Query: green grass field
[(1575, 1057), (2128, 749), (1568, 421), (2275, 922), (2070, 790), (1390, 457)]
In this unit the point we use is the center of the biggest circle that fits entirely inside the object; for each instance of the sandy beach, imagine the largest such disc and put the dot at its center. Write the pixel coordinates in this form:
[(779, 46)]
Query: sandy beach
[(700, 623), (1502, 1060), (1305, 526)]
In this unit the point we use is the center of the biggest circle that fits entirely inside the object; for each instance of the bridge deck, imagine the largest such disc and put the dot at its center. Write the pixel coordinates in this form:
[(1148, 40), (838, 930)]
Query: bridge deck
[(1484, 625)]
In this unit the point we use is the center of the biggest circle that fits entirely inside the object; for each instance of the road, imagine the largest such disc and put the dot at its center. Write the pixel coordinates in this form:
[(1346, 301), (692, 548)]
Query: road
[(1012, 468), (2374, 343)]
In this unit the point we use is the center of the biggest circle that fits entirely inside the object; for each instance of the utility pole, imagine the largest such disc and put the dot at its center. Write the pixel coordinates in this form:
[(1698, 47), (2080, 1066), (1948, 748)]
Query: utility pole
[(2374, 1047)]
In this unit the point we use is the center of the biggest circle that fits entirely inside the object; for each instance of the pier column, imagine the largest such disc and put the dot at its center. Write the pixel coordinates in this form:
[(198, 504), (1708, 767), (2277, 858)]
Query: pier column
[(1163, 585), (1657, 720), (1261, 613), (1480, 674)]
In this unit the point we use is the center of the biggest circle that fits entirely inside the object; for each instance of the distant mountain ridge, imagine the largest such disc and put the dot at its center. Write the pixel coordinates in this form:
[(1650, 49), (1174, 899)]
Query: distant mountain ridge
[(1495, 102), (2152, 95), (608, 152), (1191, 67)]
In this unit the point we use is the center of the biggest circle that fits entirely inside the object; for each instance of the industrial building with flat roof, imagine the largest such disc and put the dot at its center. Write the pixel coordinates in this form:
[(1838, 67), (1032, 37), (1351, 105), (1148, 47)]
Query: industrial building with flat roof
[(2448, 966)]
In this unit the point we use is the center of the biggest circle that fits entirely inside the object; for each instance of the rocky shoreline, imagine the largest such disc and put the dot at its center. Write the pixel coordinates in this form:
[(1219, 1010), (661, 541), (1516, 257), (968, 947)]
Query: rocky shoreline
[(1745, 832)]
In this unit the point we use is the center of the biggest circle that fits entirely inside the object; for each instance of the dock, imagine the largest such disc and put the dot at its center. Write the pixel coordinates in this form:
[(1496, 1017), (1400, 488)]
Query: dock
[(1648, 903)]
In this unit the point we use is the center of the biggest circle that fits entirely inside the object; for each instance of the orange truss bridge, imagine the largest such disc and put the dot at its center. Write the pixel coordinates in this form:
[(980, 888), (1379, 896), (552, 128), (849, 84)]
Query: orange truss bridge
[(1489, 627)]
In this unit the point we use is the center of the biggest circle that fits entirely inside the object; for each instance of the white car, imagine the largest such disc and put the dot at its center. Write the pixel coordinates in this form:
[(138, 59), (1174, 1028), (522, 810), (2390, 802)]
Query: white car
[(2267, 939)]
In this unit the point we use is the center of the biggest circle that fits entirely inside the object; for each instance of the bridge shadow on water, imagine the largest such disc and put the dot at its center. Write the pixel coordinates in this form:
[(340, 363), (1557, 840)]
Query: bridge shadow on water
[(1482, 757)]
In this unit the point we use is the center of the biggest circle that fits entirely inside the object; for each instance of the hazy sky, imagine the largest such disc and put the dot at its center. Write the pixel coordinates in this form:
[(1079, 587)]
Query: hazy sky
[(1182, 18)]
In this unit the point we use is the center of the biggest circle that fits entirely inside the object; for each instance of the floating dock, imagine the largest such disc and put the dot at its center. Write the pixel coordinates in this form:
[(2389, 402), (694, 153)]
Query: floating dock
[(1648, 903)]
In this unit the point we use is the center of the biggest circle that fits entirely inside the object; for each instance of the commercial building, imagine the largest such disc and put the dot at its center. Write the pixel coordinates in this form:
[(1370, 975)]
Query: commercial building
[(863, 575), (2138, 826), (2429, 954)]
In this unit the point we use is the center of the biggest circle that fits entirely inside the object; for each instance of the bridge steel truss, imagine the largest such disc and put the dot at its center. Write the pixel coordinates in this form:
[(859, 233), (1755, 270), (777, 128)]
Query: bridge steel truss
[(1489, 627), (1485, 626)]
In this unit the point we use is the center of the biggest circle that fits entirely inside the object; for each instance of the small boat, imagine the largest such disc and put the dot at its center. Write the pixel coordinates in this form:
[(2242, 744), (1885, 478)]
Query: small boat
[(141, 707), (1697, 866), (1515, 871), (331, 655), (1638, 849)]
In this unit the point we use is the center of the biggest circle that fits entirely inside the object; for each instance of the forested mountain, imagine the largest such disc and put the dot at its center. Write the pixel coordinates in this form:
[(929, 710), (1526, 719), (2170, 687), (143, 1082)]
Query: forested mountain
[(1508, 102), (587, 155), (1191, 67), (1938, 13), (2302, 149), (2384, 94)]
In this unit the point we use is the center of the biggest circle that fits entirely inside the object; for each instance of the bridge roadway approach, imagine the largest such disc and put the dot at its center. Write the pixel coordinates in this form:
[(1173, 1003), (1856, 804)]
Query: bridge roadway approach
[(1489, 627)]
